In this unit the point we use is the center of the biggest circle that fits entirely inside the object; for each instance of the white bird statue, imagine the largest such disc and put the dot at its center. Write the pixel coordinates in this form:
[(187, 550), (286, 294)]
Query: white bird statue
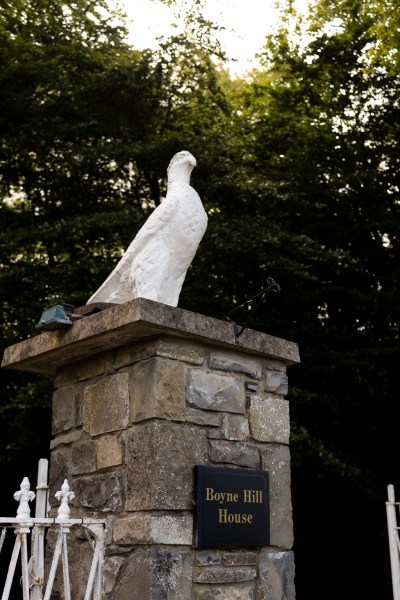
[(155, 264)]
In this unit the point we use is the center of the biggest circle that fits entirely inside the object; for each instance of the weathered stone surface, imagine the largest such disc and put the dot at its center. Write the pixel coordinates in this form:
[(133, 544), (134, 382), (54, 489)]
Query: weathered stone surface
[(208, 557), (276, 576), (214, 434), (213, 574), (275, 458), (277, 382), (215, 392), (155, 574), (238, 591), (112, 566), (202, 417), (239, 558), (66, 401), (236, 363), (59, 470), (275, 365), (134, 579), (162, 455), (101, 492), (251, 386), (81, 370), (152, 528), (108, 452), (157, 390), (83, 457), (234, 453), (166, 347), (106, 404), (235, 427), (269, 419), (74, 435)]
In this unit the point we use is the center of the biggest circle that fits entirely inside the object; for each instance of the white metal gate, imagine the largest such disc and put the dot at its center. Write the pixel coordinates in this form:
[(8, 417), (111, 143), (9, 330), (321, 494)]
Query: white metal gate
[(35, 586)]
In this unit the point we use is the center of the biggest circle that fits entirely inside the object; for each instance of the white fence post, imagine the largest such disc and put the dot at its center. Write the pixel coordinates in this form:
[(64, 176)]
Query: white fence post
[(38, 533), (393, 542)]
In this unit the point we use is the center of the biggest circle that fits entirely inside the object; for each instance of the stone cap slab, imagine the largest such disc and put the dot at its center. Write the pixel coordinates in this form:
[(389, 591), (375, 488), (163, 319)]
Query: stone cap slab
[(131, 322)]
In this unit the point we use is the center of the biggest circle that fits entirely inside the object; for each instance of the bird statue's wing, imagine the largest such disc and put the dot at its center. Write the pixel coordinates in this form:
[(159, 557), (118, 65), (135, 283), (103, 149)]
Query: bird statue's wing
[(157, 221)]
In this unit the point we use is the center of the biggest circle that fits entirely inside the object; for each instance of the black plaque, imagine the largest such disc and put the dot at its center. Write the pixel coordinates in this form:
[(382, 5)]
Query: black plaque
[(232, 508)]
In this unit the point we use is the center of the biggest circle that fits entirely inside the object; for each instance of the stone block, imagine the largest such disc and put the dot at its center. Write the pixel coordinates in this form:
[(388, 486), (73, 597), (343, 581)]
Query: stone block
[(112, 567), (212, 575), (214, 434), (108, 452), (64, 439), (276, 576), (208, 557), (236, 363), (66, 401), (59, 470), (276, 382), (100, 492), (251, 386), (83, 457), (151, 528), (239, 558), (275, 458), (235, 453), (210, 391), (202, 417), (81, 370), (269, 419), (166, 347), (238, 591), (235, 427), (161, 456), (275, 365), (106, 404), (157, 390), (155, 574)]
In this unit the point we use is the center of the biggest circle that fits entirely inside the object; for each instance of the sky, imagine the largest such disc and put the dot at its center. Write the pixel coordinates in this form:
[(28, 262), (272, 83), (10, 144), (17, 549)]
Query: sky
[(246, 23)]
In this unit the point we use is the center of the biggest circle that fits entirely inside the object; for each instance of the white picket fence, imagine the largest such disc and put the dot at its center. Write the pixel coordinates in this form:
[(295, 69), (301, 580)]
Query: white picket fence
[(35, 586)]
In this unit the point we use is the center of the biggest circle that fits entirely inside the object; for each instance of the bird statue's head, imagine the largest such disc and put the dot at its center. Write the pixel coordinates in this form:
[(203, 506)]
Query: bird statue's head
[(181, 166)]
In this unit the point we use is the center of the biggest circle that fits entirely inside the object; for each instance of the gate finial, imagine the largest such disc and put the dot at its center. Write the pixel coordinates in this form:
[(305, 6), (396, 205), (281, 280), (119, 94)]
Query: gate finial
[(64, 495), (24, 496)]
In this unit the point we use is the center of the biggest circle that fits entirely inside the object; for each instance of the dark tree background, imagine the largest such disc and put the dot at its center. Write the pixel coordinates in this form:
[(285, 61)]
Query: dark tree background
[(298, 168)]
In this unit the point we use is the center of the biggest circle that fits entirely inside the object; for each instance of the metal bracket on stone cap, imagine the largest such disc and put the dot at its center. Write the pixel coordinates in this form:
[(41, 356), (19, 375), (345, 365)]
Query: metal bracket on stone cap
[(252, 306), (55, 317), (61, 316)]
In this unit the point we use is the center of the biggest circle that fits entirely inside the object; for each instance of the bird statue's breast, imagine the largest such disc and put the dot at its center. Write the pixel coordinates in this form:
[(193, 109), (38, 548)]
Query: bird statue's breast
[(189, 215)]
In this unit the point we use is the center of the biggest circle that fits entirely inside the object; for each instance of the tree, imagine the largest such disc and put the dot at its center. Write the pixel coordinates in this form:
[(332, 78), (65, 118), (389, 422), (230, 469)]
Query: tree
[(75, 100), (88, 126), (321, 128)]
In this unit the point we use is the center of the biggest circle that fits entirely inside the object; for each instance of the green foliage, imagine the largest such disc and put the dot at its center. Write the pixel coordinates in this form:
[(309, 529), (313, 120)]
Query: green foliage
[(322, 123), (87, 128)]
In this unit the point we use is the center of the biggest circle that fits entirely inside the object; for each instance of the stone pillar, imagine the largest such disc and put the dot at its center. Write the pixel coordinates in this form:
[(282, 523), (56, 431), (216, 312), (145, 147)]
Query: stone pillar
[(143, 392)]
